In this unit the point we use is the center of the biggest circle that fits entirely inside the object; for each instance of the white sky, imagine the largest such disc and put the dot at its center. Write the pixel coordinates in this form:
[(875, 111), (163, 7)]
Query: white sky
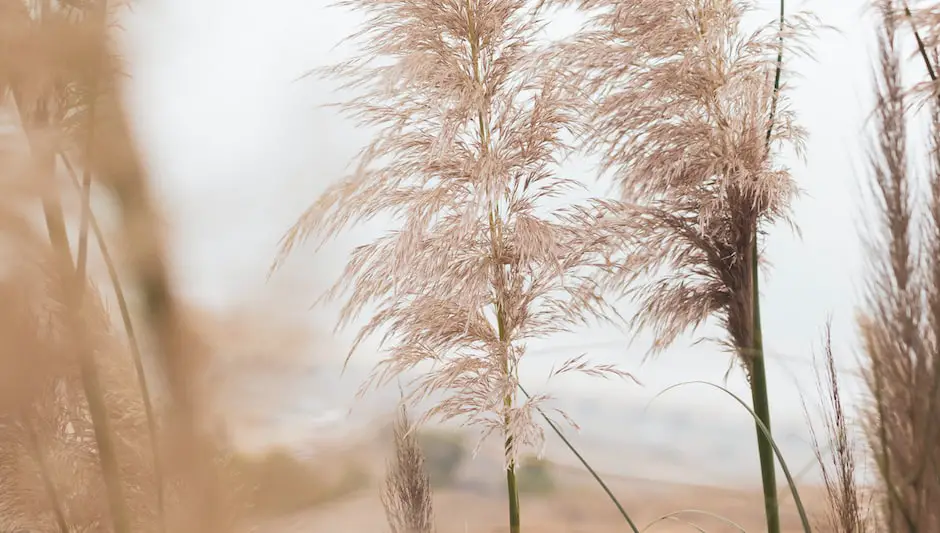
[(239, 149)]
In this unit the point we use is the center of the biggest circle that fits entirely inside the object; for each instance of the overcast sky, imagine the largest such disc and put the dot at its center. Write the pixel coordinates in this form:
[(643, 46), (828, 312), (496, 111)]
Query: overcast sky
[(239, 148)]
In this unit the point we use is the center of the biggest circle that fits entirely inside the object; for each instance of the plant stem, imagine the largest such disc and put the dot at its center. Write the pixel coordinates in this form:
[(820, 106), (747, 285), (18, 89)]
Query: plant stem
[(44, 154), (512, 487), (758, 371), (74, 291), (134, 347), (101, 17), (513, 491), (761, 401)]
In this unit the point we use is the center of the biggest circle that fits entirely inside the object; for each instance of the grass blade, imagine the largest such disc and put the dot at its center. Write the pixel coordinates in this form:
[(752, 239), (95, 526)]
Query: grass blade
[(783, 465), (584, 462), (674, 516)]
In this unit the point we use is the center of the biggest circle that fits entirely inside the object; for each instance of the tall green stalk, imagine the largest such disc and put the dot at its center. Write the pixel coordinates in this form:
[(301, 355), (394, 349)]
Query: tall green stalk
[(512, 487), (758, 371), (761, 401)]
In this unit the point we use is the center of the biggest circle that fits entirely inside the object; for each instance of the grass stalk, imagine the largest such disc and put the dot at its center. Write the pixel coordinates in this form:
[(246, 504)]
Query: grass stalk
[(134, 344), (845, 507), (44, 156), (55, 227), (675, 516), (512, 488), (760, 399), (758, 370), (406, 496), (123, 174), (82, 260)]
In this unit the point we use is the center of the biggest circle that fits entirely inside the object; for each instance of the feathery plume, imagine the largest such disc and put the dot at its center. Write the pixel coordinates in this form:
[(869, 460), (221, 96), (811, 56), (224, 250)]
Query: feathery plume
[(899, 321), (846, 510), (471, 129), (686, 110), (407, 492)]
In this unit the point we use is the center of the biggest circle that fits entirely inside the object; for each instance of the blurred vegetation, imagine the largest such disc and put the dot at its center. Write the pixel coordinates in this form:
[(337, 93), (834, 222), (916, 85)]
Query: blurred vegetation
[(280, 483), (444, 453), (535, 476)]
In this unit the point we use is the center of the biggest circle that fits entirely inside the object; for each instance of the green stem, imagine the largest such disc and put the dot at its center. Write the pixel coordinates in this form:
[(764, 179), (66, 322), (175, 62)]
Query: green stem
[(512, 487), (758, 371), (761, 402), (513, 490)]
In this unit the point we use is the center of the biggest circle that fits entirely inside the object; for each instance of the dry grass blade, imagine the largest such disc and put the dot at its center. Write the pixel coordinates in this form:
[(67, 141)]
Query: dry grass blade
[(586, 465), (675, 516), (407, 492), (846, 511), (133, 343)]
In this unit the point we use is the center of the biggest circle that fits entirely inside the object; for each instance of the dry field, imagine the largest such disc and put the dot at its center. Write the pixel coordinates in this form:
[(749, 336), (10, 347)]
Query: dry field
[(570, 511), (578, 506)]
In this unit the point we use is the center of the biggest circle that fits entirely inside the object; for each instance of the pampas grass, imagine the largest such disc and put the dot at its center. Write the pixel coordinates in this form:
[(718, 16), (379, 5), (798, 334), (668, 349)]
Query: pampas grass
[(44, 97), (899, 319), (847, 507), (51, 476), (407, 493), (686, 112), (56, 65), (195, 464), (472, 119), (470, 129)]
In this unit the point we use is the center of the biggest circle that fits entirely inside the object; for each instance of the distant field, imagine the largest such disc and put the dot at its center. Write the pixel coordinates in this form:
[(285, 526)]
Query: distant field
[(576, 507), (476, 503)]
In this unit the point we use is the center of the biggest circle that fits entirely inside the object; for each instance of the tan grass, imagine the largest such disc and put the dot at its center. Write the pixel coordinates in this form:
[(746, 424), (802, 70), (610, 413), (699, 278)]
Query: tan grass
[(470, 127), (406, 495), (473, 118), (900, 315), (848, 508)]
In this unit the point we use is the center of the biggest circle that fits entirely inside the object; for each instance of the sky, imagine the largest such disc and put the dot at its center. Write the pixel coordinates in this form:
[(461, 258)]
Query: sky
[(238, 146)]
